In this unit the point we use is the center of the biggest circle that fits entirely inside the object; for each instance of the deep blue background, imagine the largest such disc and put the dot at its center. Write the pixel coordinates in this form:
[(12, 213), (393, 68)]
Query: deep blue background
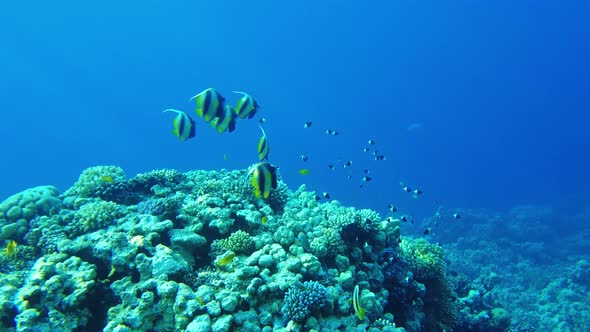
[(501, 90)]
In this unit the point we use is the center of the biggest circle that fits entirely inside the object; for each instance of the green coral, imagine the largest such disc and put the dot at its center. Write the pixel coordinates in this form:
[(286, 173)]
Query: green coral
[(93, 216), (425, 259), (240, 242), (220, 184), (327, 242), (55, 294), (500, 319), (18, 210), (92, 180), (427, 263), (167, 178)]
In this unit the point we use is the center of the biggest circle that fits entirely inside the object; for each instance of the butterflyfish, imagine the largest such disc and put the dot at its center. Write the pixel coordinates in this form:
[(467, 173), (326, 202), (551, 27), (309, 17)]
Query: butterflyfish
[(225, 120), (264, 179), (356, 303), (263, 147), (209, 103), (246, 107), (183, 126)]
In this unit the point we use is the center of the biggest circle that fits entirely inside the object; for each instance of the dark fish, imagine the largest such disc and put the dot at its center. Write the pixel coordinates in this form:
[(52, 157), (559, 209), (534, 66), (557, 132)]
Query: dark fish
[(348, 164), (366, 149), (391, 208), (262, 120), (426, 231), (326, 195), (350, 177), (371, 142), (332, 132), (331, 166), (406, 189), (304, 157), (380, 157), (456, 216), (416, 193), (404, 218), (367, 178), (209, 103), (366, 171), (307, 124)]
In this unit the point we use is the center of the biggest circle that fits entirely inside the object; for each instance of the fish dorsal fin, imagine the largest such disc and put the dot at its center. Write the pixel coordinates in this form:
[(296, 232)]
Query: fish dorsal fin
[(198, 94), (172, 110), (240, 92), (263, 132)]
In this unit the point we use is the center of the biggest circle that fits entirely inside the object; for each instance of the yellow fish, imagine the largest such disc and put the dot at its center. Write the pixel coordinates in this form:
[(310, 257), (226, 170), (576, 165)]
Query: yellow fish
[(304, 171), (228, 258), (107, 178), (264, 220), (10, 248)]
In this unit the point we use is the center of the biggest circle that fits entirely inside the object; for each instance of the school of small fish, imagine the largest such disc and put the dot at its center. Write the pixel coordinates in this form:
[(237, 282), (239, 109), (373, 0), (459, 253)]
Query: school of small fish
[(214, 109)]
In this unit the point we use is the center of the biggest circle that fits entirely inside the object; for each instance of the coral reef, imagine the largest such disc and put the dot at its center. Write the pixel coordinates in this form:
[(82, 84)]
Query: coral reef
[(197, 251)]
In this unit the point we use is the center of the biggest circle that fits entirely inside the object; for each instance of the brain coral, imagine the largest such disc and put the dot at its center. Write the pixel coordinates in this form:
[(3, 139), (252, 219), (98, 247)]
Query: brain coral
[(17, 210)]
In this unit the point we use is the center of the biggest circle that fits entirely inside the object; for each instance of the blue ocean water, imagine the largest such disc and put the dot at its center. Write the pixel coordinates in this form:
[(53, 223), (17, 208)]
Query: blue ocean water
[(478, 104), (499, 90)]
